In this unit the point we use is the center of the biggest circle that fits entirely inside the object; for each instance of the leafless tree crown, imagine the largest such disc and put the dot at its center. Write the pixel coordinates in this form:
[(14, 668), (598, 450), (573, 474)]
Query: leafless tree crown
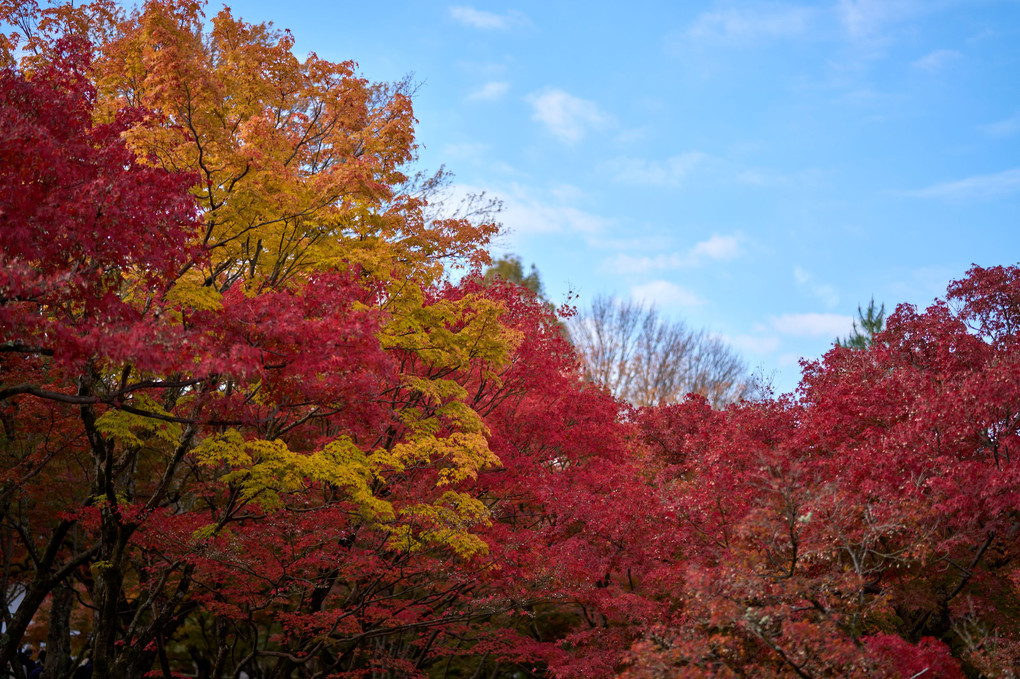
[(648, 360)]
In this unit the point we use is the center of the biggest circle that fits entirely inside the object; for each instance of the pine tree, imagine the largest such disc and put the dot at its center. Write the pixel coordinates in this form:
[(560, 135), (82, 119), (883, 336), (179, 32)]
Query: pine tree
[(510, 268), (868, 324)]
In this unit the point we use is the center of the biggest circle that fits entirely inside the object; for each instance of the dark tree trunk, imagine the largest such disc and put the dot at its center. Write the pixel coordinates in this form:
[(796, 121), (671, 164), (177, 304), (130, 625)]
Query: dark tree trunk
[(58, 637)]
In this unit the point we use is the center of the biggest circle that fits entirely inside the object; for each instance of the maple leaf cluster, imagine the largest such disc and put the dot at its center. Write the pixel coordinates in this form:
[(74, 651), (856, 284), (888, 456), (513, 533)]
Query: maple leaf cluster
[(250, 423), (868, 528)]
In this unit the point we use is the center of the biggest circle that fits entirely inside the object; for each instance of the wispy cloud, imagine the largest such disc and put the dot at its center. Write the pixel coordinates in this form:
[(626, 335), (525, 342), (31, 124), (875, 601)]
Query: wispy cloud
[(670, 172), (747, 25), (789, 360), (465, 151), (1002, 128), (826, 293), (529, 211), (813, 325), (632, 136), (630, 241), (770, 178), (716, 248), (978, 187), (936, 60), (868, 18), (527, 215), (664, 295), (863, 22), (566, 117), (765, 178), (490, 91), (476, 18), (756, 344)]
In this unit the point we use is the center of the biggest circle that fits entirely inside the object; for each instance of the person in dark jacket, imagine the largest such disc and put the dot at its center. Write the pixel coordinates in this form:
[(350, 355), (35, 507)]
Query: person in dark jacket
[(84, 670)]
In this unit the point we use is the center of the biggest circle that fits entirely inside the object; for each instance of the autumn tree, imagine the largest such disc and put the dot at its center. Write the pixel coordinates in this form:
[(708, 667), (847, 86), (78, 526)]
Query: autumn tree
[(866, 529), (71, 298), (210, 369), (285, 443), (647, 360)]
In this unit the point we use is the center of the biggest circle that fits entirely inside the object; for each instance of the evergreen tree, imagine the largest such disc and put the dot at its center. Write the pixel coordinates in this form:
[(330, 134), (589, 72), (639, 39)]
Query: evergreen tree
[(509, 268), (868, 324)]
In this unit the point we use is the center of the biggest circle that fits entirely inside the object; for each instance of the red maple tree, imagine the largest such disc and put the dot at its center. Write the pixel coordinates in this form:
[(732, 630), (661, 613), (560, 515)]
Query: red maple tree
[(867, 528)]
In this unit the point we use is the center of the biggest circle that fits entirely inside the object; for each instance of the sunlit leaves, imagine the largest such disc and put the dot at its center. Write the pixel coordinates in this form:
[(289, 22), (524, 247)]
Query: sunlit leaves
[(133, 427)]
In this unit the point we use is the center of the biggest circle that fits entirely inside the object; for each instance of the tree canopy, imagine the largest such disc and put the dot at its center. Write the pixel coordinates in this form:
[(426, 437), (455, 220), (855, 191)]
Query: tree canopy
[(252, 421)]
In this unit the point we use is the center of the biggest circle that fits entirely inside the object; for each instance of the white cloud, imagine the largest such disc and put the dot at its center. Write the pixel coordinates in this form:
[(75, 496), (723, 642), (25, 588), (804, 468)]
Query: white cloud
[(769, 178), (859, 16), (488, 70), (869, 99), (718, 248), (789, 360), (813, 325), (765, 178), (933, 61), (664, 295), (670, 172), (567, 117), (465, 151), (633, 135), (1002, 128), (638, 242), (566, 192), (866, 18), (476, 18), (826, 293), (978, 187), (756, 344), (749, 24), (864, 22), (490, 91), (527, 211), (630, 264)]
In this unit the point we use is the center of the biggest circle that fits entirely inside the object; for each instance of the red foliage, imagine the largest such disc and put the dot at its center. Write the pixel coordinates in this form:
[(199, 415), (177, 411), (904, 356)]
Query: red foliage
[(331, 472), (868, 529), (78, 215)]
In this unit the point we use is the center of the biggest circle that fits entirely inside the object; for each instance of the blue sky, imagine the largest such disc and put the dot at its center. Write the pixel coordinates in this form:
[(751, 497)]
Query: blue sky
[(756, 168)]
